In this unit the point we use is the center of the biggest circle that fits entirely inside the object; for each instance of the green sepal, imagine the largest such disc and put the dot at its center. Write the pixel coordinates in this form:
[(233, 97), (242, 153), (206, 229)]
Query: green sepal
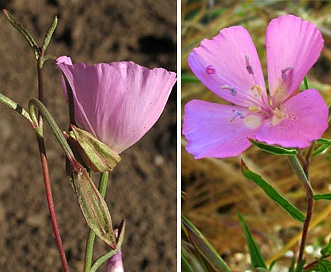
[(95, 154), (272, 193), (273, 149), (92, 204), (203, 246), (254, 251)]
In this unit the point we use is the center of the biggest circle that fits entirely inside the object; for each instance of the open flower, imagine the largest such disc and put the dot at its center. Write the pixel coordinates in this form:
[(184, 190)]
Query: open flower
[(230, 67), (117, 102)]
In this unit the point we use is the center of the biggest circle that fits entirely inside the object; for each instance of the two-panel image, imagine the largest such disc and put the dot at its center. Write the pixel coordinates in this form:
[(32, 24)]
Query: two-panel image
[(165, 136)]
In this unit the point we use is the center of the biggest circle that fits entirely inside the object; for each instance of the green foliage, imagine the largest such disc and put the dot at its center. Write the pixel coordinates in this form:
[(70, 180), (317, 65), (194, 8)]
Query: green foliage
[(272, 193), (273, 149), (198, 254), (256, 256)]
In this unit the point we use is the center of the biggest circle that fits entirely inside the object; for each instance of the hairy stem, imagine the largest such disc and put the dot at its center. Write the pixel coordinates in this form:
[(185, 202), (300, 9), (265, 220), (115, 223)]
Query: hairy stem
[(303, 175), (91, 235)]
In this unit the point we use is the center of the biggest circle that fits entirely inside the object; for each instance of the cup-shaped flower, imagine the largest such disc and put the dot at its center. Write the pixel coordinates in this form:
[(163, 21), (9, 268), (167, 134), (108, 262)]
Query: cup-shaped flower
[(230, 67), (117, 102)]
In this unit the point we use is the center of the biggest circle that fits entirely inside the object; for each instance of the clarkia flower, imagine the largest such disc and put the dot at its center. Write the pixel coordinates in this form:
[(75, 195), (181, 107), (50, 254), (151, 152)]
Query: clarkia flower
[(230, 67), (117, 102)]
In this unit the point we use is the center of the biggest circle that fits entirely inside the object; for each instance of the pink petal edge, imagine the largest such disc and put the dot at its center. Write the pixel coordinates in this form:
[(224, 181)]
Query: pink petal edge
[(306, 120), (291, 42), (223, 61), (216, 130)]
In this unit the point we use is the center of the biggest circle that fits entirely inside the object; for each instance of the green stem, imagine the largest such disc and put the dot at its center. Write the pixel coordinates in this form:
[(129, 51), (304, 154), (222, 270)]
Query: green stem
[(104, 258), (304, 178), (91, 235)]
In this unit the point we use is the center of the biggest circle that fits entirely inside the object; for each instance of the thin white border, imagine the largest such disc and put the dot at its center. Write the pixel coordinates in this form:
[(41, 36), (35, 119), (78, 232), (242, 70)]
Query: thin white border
[(179, 183)]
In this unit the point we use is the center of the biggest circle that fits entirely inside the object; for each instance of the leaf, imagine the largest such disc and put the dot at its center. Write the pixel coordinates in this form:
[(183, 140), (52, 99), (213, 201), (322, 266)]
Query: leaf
[(322, 197), (256, 256), (326, 251), (272, 193), (189, 78), (324, 144), (273, 149), (203, 246)]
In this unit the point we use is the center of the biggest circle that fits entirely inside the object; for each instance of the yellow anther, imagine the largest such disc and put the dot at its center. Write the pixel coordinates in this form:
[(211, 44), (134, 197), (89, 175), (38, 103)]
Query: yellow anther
[(254, 109), (258, 89)]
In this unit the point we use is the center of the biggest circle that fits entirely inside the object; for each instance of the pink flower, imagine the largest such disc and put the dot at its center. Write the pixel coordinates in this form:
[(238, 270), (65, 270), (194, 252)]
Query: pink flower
[(230, 67), (117, 102)]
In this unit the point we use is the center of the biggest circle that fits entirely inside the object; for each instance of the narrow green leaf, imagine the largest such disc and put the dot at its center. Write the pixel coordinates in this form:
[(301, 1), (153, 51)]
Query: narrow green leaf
[(272, 193), (186, 267), (49, 35), (26, 35), (204, 247), (273, 149), (254, 251), (324, 144), (322, 197), (189, 78)]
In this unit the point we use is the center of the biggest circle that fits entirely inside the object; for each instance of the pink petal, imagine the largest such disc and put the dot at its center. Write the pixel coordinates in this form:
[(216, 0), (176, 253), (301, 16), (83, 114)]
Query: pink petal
[(216, 130), (223, 61), (294, 43), (305, 118), (118, 102)]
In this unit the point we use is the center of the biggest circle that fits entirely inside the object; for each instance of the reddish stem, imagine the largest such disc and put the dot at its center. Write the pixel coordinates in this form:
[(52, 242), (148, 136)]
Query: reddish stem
[(50, 202)]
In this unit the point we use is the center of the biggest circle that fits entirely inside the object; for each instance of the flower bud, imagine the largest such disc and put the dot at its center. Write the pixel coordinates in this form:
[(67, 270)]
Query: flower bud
[(92, 204), (95, 154)]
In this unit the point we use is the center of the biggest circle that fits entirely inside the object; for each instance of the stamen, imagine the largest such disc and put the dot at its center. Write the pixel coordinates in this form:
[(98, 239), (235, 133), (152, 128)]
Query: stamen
[(284, 71), (278, 87), (237, 113), (230, 88), (249, 68), (278, 113), (258, 88), (256, 109)]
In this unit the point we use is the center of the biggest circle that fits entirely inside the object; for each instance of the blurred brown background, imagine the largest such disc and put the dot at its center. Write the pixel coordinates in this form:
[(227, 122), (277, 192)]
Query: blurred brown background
[(142, 188)]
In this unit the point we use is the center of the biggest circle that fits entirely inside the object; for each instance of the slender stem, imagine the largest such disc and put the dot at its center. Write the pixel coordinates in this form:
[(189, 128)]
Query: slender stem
[(91, 235), (44, 165), (50, 202), (52, 124), (304, 178)]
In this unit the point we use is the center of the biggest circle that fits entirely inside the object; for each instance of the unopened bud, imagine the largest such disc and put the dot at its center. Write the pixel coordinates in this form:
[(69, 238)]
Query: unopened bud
[(92, 204), (95, 154)]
